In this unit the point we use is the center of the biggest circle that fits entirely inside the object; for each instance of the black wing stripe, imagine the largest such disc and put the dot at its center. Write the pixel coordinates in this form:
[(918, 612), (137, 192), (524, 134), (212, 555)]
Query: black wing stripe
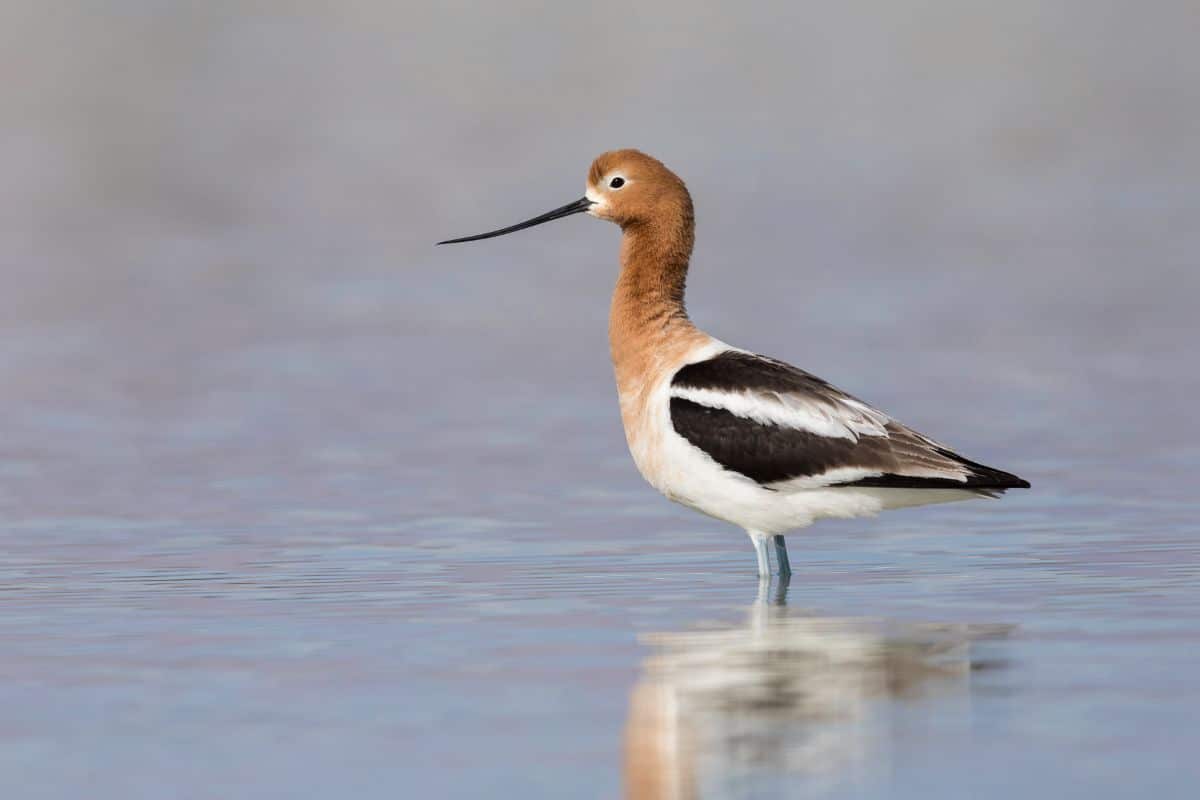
[(770, 454), (766, 453), (733, 371)]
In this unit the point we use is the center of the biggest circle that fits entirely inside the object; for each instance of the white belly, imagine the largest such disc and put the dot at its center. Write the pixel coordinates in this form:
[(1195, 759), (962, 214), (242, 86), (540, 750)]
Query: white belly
[(687, 475)]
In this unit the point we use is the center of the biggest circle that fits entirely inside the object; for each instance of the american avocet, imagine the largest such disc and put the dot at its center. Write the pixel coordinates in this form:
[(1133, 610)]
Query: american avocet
[(735, 435)]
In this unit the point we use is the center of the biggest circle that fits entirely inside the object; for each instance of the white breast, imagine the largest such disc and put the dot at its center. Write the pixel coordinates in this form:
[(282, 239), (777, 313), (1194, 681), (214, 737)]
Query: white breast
[(687, 475)]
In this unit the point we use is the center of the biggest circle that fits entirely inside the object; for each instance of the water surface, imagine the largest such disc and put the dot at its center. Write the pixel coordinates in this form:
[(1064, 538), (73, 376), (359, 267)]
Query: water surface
[(293, 504)]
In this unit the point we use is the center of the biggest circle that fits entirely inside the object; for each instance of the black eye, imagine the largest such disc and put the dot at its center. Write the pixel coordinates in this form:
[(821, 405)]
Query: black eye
[(616, 183)]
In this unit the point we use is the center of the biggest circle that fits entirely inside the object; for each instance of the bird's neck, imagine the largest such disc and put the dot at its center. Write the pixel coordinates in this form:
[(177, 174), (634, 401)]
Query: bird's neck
[(648, 322)]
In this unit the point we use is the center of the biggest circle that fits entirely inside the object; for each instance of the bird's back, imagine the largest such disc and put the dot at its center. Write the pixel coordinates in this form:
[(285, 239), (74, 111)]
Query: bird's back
[(786, 429)]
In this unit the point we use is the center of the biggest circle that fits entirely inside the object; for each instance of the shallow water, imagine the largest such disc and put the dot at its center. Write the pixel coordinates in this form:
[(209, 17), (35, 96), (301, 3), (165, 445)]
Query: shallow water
[(294, 504)]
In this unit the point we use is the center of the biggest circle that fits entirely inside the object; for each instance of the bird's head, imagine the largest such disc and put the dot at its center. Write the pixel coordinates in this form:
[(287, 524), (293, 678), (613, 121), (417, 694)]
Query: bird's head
[(627, 187)]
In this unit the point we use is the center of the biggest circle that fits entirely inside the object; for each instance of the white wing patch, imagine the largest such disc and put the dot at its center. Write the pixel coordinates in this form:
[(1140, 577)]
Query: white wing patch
[(838, 417)]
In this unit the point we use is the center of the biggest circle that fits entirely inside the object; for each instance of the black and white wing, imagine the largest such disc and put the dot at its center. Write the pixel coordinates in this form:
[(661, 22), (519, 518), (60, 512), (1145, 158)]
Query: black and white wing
[(784, 428)]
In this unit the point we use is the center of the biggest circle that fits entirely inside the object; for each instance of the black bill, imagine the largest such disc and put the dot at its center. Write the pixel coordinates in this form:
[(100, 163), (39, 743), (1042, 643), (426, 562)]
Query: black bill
[(579, 206)]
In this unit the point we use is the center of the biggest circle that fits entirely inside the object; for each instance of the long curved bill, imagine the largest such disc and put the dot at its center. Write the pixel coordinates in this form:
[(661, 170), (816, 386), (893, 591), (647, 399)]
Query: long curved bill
[(579, 206)]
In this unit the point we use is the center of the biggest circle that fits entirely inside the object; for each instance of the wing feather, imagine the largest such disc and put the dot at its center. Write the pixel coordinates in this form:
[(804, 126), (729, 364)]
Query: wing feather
[(786, 428)]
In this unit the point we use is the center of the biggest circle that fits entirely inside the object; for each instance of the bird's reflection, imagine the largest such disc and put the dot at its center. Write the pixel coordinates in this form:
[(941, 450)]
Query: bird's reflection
[(783, 695)]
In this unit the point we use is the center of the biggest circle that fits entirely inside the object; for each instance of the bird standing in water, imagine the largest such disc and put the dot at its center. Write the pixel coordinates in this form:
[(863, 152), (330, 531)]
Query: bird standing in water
[(735, 435)]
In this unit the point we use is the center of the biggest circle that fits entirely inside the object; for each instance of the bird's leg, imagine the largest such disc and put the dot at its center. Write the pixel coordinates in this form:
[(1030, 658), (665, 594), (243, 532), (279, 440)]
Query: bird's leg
[(779, 596), (760, 549), (781, 557)]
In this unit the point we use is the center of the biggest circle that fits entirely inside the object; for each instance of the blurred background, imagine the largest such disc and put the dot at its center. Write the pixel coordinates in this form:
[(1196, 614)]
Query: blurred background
[(292, 501)]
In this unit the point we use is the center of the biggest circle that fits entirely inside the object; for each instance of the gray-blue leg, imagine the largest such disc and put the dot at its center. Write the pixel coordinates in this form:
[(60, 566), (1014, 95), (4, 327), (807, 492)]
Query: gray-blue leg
[(760, 550), (781, 557)]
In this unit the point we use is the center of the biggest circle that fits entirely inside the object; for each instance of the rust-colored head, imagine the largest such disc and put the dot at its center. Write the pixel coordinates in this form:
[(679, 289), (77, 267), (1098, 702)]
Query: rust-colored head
[(627, 187)]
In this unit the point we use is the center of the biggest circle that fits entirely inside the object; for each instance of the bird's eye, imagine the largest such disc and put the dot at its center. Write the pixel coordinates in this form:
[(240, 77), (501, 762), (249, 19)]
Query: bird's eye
[(616, 183)]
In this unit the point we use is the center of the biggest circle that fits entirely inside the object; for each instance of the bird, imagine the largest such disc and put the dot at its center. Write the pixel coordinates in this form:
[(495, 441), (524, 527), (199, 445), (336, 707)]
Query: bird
[(741, 437)]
